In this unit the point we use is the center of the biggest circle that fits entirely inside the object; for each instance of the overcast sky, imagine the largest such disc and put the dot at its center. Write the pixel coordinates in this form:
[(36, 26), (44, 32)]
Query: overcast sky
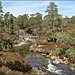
[(32, 7)]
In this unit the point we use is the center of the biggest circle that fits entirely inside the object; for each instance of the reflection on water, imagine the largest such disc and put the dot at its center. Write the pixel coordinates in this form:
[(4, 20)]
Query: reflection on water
[(36, 60), (24, 50)]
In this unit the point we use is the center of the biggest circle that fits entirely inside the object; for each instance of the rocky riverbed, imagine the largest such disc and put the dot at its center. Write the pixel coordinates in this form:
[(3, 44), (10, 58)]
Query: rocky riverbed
[(47, 47), (29, 58), (23, 38), (39, 61)]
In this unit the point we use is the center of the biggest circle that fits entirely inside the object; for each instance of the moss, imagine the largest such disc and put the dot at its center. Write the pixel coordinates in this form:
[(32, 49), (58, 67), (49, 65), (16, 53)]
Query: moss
[(16, 73), (8, 55)]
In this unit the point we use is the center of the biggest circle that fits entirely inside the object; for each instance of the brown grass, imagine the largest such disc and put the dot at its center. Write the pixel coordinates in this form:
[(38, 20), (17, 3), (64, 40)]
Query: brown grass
[(68, 28)]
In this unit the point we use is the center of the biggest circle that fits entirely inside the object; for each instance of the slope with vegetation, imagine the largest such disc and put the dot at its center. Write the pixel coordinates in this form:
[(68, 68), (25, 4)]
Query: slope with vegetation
[(56, 35)]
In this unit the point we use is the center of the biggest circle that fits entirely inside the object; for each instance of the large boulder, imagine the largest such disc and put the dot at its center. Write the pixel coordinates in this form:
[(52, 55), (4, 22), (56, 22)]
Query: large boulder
[(15, 62)]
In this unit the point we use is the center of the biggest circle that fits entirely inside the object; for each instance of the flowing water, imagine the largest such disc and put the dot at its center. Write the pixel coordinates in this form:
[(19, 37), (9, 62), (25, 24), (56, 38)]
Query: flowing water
[(40, 62)]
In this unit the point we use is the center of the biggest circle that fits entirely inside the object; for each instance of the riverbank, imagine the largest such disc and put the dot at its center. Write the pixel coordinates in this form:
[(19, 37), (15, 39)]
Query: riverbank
[(23, 50), (13, 63), (21, 43), (54, 50), (38, 46)]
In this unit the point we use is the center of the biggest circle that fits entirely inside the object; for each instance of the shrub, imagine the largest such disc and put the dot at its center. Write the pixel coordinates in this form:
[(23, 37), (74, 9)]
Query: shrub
[(73, 32), (72, 41), (73, 19), (58, 51), (62, 37), (71, 54)]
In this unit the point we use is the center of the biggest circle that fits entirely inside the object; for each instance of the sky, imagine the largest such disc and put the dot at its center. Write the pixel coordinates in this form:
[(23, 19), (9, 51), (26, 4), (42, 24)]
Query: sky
[(32, 7)]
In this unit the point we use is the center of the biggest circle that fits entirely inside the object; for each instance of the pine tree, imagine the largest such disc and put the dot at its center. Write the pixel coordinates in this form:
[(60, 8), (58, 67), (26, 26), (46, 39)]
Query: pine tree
[(1, 11), (1, 16), (51, 21), (52, 14)]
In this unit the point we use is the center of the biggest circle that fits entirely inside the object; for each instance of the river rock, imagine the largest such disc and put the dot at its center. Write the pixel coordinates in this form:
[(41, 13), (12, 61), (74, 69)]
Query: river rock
[(72, 68), (47, 56), (31, 48), (65, 58), (43, 54), (39, 45), (57, 61), (66, 62), (53, 57), (39, 50), (15, 62), (41, 72)]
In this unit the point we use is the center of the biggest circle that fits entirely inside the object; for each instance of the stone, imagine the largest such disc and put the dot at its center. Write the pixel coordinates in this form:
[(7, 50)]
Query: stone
[(44, 41), (57, 61), (72, 68), (53, 57), (66, 62), (43, 54), (55, 45), (47, 56), (39, 45), (50, 53), (41, 72), (65, 58)]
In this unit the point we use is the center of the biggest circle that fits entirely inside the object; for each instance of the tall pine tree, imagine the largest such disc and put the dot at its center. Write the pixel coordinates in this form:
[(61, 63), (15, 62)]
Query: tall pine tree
[(51, 21), (1, 17)]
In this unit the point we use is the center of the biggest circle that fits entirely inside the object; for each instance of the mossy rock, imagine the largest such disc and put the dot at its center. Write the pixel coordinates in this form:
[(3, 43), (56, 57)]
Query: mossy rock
[(14, 61)]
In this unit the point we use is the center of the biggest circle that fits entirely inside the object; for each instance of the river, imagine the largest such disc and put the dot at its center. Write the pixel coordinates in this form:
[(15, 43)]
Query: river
[(40, 62)]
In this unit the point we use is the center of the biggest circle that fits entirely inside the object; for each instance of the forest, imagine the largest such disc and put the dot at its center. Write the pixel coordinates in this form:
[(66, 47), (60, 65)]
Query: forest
[(55, 35)]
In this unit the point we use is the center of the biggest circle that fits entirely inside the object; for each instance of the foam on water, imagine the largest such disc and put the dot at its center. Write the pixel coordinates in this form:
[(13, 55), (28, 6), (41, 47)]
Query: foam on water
[(53, 68)]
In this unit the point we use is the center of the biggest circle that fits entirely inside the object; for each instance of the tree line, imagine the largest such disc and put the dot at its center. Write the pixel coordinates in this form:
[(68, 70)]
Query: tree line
[(33, 23)]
